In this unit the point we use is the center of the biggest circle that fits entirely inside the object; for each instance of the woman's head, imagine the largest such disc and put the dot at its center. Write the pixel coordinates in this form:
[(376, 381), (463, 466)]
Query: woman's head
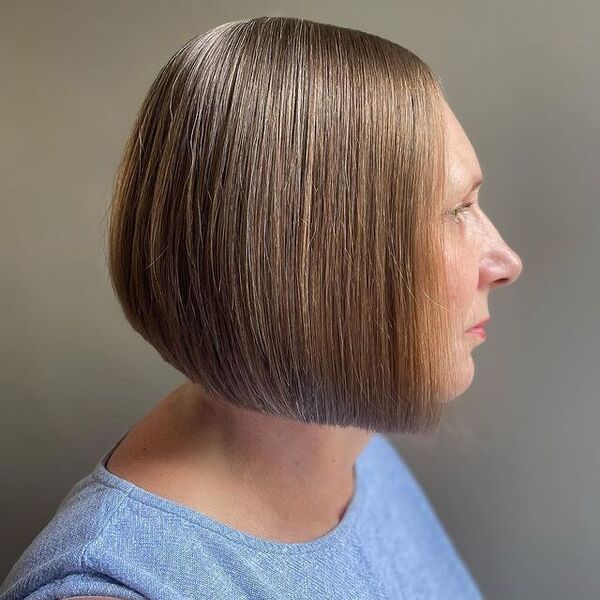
[(277, 229)]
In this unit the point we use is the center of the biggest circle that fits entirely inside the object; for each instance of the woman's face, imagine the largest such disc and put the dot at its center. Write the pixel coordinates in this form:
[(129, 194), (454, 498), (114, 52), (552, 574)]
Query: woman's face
[(477, 258)]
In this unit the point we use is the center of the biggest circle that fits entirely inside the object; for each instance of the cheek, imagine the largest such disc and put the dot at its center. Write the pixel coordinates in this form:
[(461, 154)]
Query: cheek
[(462, 274), (462, 285)]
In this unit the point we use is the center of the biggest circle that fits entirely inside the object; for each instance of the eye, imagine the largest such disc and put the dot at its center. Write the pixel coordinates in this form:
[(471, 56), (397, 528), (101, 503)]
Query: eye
[(463, 208)]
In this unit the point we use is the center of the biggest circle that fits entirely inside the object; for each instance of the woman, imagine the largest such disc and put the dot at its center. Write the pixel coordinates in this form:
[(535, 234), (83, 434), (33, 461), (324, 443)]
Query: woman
[(295, 228)]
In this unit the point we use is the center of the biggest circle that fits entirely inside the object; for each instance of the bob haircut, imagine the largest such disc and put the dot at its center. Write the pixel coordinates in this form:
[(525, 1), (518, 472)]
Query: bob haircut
[(275, 229)]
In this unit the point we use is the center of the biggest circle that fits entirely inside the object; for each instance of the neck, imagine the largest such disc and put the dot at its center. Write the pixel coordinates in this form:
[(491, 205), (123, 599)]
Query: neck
[(298, 473)]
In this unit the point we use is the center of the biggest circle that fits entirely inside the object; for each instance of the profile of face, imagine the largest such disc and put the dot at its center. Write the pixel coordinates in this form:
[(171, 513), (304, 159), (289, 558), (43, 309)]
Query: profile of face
[(477, 258)]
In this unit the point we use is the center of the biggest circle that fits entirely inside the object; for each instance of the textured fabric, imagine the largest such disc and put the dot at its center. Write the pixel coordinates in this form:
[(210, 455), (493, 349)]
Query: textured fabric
[(110, 537)]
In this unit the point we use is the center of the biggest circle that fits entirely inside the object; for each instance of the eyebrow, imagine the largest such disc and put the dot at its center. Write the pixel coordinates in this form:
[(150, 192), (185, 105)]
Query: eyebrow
[(476, 185)]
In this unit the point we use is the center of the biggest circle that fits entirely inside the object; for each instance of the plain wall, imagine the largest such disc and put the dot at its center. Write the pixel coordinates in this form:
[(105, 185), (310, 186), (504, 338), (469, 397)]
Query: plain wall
[(512, 472)]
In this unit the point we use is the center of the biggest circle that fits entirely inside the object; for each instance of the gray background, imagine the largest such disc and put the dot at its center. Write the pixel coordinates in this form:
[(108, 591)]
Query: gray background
[(513, 470)]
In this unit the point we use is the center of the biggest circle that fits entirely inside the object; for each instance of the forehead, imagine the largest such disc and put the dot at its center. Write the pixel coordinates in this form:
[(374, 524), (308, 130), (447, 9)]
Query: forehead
[(462, 163)]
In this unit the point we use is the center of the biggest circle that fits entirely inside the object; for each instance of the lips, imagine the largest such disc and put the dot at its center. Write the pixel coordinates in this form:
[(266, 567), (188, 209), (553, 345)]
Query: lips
[(480, 325)]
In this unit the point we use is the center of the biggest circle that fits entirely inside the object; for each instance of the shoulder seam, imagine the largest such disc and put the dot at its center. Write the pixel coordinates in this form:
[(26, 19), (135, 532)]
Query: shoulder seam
[(82, 559), (85, 548)]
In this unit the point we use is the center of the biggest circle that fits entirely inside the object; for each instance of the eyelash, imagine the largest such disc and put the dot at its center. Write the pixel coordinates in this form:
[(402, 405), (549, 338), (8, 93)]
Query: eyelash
[(461, 209)]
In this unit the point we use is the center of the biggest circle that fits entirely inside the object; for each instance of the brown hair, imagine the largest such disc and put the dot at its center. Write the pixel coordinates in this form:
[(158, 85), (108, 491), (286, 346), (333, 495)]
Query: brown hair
[(275, 227)]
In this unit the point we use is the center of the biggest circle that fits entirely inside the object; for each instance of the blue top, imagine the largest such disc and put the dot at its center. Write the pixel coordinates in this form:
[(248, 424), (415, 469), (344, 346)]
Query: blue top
[(111, 537)]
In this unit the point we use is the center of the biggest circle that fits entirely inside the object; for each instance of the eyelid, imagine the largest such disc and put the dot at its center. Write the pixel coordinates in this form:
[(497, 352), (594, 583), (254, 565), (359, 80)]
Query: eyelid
[(465, 204), (468, 203), (461, 208)]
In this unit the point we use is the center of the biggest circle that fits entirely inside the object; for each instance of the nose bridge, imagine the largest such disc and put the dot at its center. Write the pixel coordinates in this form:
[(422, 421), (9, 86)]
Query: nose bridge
[(501, 263)]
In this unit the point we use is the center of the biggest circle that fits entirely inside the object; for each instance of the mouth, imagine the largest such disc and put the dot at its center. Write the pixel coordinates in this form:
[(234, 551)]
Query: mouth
[(481, 324), (478, 329)]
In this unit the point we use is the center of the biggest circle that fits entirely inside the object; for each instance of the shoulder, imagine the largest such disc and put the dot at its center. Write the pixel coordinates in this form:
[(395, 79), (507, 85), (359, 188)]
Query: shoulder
[(383, 461), (387, 462), (397, 486), (397, 496), (401, 520), (64, 546)]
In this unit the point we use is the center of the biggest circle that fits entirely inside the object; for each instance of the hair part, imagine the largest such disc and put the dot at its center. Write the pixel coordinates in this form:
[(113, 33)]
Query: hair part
[(275, 228)]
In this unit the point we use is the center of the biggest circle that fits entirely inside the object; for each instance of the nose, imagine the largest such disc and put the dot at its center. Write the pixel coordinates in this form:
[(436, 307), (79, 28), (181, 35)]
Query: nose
[(502, 265)]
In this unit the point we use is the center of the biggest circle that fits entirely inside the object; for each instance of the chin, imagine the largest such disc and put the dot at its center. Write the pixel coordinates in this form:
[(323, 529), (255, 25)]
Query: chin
[(462, 383)]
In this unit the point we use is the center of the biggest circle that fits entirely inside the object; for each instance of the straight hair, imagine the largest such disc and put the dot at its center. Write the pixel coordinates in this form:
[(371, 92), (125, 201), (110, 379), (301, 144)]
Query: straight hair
[(275, 229)]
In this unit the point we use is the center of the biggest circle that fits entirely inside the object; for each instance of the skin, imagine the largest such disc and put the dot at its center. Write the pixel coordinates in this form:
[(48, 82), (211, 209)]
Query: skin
[(477, 259), (296, 480)]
